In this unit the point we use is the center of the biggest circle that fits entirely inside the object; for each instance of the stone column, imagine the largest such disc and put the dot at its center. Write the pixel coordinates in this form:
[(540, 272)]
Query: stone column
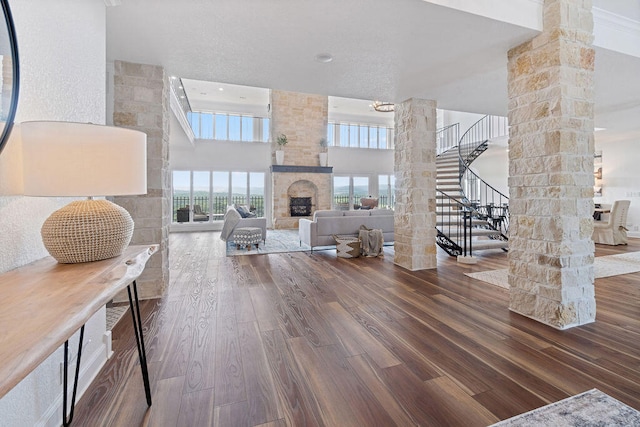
[(141, 102), (551, 97), (415, 172)]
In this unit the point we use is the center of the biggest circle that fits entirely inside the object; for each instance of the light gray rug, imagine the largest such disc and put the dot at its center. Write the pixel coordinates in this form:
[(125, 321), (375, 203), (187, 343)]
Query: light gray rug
[(278, 241), (604, 266), (592, 408)]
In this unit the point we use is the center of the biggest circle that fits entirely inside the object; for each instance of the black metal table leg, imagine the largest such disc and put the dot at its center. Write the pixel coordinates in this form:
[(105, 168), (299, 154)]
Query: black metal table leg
[(65, 421), (137, 327)]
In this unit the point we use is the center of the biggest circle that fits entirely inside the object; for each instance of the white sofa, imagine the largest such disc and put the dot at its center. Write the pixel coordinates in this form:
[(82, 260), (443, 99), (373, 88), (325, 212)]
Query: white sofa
[(319, 231)]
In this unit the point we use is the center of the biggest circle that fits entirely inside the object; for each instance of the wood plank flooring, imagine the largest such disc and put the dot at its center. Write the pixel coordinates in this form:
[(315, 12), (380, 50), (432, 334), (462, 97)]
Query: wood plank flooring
[(309, 339)]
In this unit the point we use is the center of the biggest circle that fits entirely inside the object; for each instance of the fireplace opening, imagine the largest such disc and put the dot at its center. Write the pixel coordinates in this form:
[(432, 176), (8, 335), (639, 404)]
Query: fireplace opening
[(300, 206)]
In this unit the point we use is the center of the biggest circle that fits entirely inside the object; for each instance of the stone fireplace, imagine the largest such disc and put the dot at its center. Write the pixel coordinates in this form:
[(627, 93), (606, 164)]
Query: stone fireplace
[(303, 118), (299, 182)]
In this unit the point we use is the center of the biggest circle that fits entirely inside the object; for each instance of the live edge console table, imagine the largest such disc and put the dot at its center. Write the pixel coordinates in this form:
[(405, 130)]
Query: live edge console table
[(44, 303)]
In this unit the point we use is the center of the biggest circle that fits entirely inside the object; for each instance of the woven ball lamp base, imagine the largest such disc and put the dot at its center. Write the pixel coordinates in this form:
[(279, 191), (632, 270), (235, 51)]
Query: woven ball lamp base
[(87, 230)]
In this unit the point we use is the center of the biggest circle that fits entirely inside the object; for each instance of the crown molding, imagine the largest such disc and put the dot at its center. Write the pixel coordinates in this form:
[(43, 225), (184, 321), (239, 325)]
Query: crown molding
[(616, 32), (616, 22)]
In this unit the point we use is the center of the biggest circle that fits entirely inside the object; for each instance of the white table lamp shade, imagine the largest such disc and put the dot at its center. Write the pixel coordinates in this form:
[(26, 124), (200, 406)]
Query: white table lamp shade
[(79, 159)]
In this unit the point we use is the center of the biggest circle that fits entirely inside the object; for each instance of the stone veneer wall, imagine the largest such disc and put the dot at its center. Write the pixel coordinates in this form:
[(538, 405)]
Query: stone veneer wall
[(551, 98), (415, 172), (303, 118), (141, 102)]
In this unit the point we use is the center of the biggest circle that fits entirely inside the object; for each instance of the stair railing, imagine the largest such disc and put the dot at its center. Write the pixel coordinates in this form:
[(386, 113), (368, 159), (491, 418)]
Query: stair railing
[(447, 138), (479, 134), (453, 235), (490, 203)]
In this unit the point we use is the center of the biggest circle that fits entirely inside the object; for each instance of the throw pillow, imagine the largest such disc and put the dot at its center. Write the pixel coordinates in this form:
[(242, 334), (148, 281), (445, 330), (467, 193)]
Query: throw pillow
[(243, 213)]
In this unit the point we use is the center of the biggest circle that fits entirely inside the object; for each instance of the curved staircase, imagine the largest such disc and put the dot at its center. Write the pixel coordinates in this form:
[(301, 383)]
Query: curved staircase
[(471, 215)]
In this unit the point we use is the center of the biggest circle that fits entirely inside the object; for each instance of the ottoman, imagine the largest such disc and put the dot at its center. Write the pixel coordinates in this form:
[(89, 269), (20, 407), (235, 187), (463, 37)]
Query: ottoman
[(247, 236)]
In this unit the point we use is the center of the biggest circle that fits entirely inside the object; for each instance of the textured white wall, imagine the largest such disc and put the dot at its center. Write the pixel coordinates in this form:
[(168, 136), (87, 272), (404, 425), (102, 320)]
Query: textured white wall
[(62, 66)]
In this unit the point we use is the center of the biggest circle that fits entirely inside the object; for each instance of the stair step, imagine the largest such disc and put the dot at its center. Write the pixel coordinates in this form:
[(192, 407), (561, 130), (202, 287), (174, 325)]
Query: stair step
[(481, 245), (447, 162), (477, 232), (475, 222)]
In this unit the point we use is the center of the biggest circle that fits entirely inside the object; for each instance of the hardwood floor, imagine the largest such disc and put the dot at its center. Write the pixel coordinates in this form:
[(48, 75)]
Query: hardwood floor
[(303, 339)]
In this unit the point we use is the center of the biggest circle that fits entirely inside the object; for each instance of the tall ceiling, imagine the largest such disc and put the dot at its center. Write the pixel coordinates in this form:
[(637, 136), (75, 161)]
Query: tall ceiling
[(381, 49)]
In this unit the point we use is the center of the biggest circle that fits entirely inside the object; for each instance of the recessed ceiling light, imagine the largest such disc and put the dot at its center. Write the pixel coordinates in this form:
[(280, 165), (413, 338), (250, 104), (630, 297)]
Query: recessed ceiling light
[(324, 57), (181, 96), (220, 89), (598, 129), (173, 77), (180, 87)]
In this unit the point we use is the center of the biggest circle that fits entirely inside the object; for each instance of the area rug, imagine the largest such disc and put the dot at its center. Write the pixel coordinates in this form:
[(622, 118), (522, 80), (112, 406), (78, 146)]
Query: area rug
[(604, 266), (589, 409), (278, 241)]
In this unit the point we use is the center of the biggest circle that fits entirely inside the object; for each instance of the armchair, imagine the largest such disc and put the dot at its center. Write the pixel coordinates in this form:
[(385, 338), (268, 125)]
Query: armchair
[(614, 231), (233, 220)]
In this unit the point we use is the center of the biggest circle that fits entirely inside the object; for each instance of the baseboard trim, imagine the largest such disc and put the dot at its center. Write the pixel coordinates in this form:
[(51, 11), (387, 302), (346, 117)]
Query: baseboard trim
[(89, 369)]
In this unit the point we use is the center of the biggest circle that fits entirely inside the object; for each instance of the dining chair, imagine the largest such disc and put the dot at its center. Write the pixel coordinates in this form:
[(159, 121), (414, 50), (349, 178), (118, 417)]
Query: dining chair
[(614, 231)]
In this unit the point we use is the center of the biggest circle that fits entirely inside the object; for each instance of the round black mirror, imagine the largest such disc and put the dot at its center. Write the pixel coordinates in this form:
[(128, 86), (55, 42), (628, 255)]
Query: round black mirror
[(9, 74)]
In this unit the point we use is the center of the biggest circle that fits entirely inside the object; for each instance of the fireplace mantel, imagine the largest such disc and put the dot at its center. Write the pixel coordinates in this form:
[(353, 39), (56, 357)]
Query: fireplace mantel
[(301, 169)]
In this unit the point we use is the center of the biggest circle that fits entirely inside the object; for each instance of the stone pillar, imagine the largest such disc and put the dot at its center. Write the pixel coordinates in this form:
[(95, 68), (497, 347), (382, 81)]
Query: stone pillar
[(415, 172), (141, 102), (551, 98)]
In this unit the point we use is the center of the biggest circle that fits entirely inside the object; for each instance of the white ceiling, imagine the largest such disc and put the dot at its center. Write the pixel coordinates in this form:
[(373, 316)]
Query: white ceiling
[(382, 49)]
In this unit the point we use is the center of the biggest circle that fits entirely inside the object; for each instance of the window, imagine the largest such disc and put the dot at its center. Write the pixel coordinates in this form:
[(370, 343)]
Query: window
[(348, 190), (265, 130), (343, 135), (330, 134), (234, 128), (247, 129), (206, 126), (221, 127), (220, 194), (203, 196), (229, 127), (386, 191), (359, 135), (373, 137), (364, 137), (181, 195), (382, 138), (360, 189), (341, 192), (353, 135)]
